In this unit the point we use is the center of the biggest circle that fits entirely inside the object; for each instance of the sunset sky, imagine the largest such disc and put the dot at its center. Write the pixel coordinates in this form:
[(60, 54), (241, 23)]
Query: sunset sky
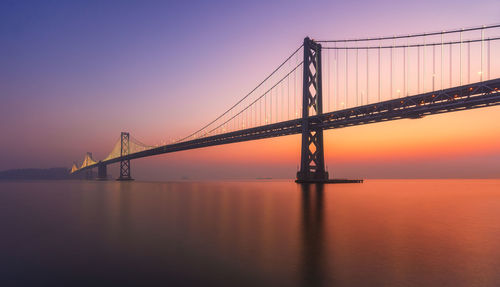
[(74, 74)]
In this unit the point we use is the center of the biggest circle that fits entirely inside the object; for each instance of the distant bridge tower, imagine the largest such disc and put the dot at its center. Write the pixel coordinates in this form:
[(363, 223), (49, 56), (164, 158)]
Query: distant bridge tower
[(88, 161), (74, 167), (312, 161), (124, 151)]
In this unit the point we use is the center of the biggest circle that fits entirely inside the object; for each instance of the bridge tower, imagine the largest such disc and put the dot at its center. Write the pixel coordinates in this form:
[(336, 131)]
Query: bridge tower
[(312, 160), (88, 174), (124, 151)]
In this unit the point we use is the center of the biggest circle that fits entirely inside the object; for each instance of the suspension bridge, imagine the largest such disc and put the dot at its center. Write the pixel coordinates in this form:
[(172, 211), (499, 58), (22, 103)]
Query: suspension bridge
[(330, 84)]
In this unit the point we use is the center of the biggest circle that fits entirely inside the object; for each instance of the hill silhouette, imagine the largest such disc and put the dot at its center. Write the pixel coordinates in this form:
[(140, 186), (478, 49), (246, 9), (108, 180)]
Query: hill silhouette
[(57, 173)]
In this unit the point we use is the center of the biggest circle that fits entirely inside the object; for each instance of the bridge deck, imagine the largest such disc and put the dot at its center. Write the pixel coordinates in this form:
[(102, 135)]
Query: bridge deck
[(471, 96)]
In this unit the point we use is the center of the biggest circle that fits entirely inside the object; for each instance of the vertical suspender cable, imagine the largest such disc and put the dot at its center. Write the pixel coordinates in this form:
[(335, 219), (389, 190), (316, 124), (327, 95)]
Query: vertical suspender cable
[(337, 95), (300, 83), (255, 114), (489, 64), (404, 71), (481, 71), (250, 117), (328, 77), (295, 89), (265, 109), (407, 66), (460, 58), (433, 68), (418, 69), (260, 111), (271, 106), (273, 102), (280, 115), (468, 63), (346, 76), (288, 97), (255, 118), (424, 65), (451, 71), (269, 116), (357, 102), (442, 64), (379, 94), (276, 103), (390, 69), (281, 101), (367, 77)]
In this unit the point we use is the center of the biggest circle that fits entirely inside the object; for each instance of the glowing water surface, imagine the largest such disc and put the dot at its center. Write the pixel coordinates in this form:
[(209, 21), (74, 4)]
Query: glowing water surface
[(379, 233)]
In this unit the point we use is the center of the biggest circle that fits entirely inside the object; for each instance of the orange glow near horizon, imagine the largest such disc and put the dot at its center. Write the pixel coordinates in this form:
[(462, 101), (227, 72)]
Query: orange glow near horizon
[(463, 133)]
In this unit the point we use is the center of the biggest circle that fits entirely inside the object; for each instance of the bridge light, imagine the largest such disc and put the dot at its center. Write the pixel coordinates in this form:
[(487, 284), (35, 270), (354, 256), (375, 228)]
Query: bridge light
[(470, 89)]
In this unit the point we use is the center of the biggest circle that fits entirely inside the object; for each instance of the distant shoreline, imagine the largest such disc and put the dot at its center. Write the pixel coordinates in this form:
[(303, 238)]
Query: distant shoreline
[(57, 173)]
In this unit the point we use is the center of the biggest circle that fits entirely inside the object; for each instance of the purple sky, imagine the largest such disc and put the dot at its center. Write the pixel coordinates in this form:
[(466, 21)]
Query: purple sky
[(74, 74)]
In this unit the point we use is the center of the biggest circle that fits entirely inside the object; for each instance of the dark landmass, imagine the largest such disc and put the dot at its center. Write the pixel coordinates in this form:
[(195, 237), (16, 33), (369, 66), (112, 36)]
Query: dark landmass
[(57, 173)]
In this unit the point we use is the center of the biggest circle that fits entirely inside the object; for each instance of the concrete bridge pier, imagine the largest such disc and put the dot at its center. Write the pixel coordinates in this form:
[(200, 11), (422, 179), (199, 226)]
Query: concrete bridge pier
[(102, 172), (88, 174)]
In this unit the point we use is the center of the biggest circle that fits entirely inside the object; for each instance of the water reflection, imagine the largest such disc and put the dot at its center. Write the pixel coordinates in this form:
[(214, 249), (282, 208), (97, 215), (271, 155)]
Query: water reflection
[(313, 233), (380, 233)]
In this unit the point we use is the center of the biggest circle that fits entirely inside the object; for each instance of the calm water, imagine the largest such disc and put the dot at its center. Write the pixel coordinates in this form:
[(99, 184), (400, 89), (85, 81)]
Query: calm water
[(380, 233)]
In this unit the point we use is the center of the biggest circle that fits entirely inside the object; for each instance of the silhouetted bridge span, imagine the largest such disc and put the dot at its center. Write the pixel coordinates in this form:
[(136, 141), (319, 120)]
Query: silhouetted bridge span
[(355, 99)]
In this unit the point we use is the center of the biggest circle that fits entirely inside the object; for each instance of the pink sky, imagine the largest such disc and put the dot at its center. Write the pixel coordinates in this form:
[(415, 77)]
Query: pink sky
[(74, 76)]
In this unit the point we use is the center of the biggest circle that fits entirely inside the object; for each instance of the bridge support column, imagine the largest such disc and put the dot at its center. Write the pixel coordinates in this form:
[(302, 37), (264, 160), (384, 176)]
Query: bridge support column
[(102, 172), (125, 164), (312, 160), (88, 174)]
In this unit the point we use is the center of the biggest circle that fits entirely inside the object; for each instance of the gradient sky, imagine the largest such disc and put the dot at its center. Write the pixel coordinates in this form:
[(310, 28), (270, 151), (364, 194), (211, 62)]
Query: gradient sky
[(73, 75)]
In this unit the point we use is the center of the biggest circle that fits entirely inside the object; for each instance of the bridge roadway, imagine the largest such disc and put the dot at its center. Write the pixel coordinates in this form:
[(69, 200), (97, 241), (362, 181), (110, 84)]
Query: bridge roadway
[(471, 96)]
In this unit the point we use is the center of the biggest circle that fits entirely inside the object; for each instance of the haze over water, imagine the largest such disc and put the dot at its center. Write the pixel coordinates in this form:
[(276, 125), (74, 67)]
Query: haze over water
[(379, 233)]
